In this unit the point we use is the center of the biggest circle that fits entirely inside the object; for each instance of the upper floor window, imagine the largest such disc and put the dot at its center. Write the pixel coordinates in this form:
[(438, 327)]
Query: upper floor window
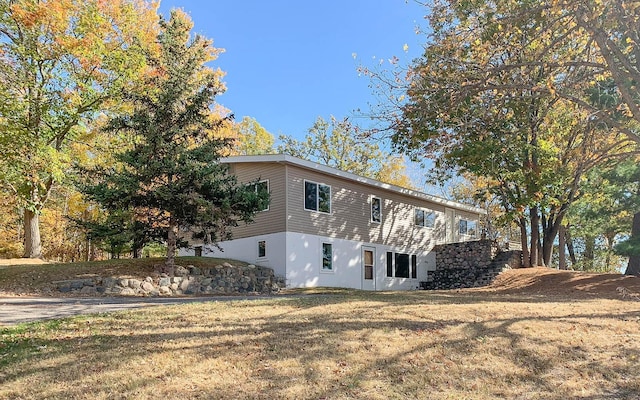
[(467, 227), (425, 218), (317, 197), (262, 187), (376, 209)]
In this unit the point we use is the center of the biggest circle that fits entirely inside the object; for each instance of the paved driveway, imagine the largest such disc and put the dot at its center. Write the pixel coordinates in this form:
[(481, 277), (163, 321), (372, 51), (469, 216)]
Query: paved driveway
[(16, 310)]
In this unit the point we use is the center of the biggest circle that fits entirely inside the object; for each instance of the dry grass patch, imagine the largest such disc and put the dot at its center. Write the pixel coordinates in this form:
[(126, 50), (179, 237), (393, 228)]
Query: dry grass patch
[(353, 345)]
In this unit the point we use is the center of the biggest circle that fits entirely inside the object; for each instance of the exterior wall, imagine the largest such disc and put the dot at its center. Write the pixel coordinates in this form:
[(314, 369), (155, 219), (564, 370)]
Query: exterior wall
[(246, 249), (350, 216), (303, 260), (294, 236), (274, 219)]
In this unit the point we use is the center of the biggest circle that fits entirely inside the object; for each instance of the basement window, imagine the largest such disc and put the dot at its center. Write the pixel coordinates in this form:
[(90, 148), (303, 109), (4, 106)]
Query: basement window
[(401, 265), (327, 257)]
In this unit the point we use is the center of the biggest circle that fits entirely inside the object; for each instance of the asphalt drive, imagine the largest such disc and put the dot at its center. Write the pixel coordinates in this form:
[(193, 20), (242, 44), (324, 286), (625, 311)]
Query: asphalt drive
[(17, 310)]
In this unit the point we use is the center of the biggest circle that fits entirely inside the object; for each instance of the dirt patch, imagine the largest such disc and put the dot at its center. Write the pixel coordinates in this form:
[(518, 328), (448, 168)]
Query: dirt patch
[(552, 282), (22, 261)]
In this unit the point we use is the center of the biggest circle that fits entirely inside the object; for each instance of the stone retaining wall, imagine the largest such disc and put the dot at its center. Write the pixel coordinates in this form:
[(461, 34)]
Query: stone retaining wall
[(469, 264), (189, 280)]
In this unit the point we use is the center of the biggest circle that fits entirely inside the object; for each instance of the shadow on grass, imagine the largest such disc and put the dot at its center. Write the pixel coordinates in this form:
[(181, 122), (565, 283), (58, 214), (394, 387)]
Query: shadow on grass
[(384, 345)]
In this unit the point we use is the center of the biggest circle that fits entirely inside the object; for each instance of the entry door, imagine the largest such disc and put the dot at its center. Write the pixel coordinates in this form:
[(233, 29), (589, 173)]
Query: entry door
[(368, 268)]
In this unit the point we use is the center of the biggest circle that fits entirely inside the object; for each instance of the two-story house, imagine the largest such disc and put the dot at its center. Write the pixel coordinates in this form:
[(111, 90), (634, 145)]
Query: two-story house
[(326, 227)]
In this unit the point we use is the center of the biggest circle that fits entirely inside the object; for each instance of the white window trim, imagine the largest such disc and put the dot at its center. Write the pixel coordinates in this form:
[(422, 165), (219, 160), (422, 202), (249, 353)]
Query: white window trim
[(466, 234), (258, 257), (304, 197), (255, 185), (371, 199), (333, 257), (393, 263), (424, 218)]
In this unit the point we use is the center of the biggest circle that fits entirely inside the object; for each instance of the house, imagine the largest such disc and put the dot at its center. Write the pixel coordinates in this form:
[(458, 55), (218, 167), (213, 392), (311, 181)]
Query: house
[(326, 227)]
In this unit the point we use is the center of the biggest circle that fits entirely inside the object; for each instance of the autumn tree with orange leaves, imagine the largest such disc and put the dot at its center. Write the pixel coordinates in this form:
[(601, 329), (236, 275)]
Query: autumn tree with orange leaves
[(488, 98), (62, 63)]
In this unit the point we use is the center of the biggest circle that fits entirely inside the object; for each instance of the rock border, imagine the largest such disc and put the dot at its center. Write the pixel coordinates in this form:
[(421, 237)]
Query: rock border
[(180, 281)]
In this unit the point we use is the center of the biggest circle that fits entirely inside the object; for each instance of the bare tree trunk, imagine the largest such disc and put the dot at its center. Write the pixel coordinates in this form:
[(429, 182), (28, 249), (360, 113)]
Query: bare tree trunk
[(32, 243), (526, 261), (610, 237), (172, 238), (570, 249), (589, 252), (562, 255), (633, 267), (535, 236), (550, 228)]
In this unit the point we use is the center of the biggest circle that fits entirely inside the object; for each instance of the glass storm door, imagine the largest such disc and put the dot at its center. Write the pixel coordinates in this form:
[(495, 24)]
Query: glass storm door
[(368, 268)]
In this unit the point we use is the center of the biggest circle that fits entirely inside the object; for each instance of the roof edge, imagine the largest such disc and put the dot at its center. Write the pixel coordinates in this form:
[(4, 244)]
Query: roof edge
[(287, 159)]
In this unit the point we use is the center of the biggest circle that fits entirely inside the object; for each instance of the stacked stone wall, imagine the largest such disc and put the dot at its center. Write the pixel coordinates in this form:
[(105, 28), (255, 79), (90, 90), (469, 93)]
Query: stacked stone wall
[(469, 264), (189, 280)]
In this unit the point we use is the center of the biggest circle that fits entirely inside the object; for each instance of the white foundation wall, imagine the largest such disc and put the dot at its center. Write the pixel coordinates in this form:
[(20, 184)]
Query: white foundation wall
[(298, 258), (246, 250), (304, 264)]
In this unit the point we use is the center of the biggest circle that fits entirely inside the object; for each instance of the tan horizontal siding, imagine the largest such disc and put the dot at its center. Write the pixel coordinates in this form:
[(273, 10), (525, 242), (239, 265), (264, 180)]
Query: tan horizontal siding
[(350, 213), (274, 219)]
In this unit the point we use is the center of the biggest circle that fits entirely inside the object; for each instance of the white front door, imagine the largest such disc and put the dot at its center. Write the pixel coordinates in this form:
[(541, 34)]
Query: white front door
[(368, 272)]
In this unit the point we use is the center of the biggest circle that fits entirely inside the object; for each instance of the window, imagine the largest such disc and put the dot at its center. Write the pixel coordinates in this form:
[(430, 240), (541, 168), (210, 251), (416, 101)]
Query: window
[(376, 210), (317, 197), (414, 266), (401, 265), (262, 187), (368, 264), (425, 218), (262, 248), (198, 251), (467, 227), (327, 257)]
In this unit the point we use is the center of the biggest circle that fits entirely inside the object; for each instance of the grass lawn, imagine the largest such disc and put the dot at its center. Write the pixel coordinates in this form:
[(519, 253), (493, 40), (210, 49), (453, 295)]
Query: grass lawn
[(342, 345), (533, 334)]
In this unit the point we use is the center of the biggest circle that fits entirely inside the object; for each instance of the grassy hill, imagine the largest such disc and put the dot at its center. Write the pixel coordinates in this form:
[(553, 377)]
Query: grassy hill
[(533, 334)]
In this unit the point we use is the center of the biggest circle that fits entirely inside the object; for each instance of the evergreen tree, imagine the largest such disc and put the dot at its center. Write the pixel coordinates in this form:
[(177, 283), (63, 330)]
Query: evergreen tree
[(170, 179)]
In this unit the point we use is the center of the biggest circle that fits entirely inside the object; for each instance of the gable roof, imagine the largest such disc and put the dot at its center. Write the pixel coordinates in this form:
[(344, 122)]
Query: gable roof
[(287, 159)]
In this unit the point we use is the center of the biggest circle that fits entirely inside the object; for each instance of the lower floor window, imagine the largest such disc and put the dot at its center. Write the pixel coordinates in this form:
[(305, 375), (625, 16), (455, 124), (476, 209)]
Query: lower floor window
[(262, 248), (327, 257), (401, 265)]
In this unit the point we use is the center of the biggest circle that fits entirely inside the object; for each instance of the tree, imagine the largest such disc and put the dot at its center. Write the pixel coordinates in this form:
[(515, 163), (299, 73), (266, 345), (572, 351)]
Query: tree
[(338, 144), (604, 214), (63, 62), (171, 178), (604, 38), (253, 139), (472, 112)]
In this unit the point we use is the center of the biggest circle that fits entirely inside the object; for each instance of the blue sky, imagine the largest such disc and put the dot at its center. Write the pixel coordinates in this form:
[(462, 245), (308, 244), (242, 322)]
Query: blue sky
[(288, 62)]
